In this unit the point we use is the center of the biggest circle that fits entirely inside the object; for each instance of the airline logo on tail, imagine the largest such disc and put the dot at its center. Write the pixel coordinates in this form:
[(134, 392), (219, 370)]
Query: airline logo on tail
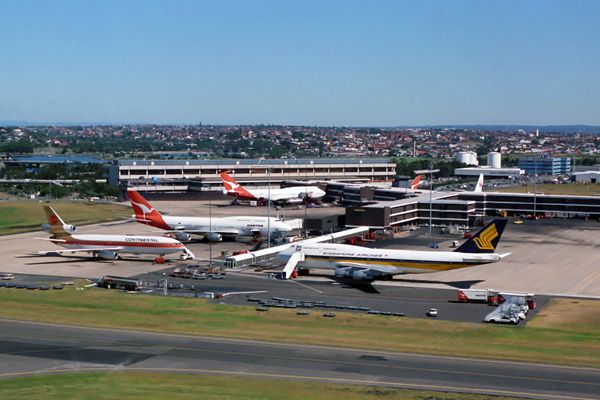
[(232, 188), (415, 183), (144, 212), (479, 185), (484, 241)]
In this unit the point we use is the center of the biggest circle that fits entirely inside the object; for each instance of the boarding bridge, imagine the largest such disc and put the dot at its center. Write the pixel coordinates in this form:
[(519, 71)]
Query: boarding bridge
[(259, 256), (291, 264)]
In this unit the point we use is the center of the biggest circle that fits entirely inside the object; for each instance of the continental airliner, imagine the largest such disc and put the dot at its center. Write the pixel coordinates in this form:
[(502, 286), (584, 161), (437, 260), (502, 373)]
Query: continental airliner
[(362, 263), (211, 228), (107, 246)]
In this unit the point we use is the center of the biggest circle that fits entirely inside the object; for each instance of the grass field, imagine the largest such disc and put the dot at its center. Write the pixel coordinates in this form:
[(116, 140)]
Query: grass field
[(120, 385), (576, 189), (566, 333), (27, 216)]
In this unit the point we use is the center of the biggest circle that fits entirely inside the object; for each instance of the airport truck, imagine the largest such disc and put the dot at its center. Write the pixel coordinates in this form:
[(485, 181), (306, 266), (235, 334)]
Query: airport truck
[(528, 299), (477, 295), (117, 282)]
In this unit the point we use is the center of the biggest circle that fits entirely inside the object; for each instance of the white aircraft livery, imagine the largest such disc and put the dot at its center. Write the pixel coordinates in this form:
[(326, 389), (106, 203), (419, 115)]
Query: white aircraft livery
[(212, 228), (362, 263), (286, 195), (107, 246)]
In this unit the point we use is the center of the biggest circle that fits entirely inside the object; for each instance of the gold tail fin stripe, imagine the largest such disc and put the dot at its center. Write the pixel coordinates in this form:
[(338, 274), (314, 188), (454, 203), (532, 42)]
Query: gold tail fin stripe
[(484, 241)]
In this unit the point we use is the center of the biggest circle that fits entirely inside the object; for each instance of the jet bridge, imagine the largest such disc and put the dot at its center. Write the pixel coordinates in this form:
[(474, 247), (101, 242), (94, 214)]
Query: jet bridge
[(254, 257)]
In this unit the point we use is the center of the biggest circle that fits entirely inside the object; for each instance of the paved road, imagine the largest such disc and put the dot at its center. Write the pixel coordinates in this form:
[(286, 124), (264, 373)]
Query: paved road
[(28, 348)]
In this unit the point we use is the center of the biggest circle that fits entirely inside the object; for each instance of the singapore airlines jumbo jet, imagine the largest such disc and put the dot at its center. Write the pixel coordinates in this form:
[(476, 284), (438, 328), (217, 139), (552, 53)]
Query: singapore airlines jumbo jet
[(286, 195), (362, 263), (211, 228), (107, 246)]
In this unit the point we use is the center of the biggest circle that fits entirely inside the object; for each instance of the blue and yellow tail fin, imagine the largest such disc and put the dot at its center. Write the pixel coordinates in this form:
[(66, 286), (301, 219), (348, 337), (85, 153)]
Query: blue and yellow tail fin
[(486, 240)]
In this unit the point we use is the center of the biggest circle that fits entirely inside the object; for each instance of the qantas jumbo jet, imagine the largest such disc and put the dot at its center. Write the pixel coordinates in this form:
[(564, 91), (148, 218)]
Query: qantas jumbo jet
[(211, 228), (362, 263), (293, 195), (107, 246)]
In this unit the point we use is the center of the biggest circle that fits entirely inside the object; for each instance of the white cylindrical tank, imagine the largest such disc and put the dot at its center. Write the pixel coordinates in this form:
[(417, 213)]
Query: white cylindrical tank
[(464, 157), (494, 160), (473, 158)]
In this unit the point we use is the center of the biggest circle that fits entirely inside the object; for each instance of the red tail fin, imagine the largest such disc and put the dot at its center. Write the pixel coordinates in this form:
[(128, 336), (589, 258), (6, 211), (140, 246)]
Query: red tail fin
[(415, 183), (232, 188), (144, 212)]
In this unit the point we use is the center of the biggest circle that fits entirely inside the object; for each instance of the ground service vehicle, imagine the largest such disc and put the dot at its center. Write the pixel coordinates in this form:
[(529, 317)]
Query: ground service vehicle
[(117, 282), (529, 298), (477, 295)]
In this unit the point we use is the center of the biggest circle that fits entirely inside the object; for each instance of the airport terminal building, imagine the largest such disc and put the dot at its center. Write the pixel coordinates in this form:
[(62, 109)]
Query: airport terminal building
[(192, 175), (465, 208)]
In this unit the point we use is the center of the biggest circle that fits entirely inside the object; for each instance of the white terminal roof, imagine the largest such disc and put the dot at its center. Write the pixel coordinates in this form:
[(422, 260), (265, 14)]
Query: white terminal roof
[(488, 171)]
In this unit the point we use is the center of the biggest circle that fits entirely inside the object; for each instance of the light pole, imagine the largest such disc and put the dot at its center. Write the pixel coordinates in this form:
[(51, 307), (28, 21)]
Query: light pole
[(430, 171), (306, 199), (535, 187), (210, 235), (269, 209)]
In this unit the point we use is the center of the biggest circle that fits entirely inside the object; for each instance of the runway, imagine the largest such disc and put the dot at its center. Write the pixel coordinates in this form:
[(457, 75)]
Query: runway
[(31, 348)]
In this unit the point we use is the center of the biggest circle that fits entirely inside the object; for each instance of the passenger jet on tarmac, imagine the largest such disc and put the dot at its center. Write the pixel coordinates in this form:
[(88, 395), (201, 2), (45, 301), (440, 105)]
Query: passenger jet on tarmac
[(107, 246), (362, 263), (291, 195), (211, 228)]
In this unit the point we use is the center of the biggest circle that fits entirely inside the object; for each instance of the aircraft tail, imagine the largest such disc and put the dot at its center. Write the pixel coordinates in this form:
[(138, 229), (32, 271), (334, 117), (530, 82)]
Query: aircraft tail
[(232, 188), (486, 240), (479, 186), (415, 183), (56, 225), (144, 212)]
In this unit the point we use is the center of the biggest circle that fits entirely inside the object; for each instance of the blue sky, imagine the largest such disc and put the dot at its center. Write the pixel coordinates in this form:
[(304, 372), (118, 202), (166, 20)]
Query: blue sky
[(355, 63)]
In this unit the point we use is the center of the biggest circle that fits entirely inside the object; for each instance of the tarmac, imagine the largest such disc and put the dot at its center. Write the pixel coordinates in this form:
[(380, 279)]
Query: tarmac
[(554, 257)]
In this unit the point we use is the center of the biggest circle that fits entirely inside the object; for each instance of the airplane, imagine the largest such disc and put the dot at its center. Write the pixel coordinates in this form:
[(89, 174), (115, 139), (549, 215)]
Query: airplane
[(479, 185), (415, 183), (107, 246), (362, 263), (291, 195), (212, 229)]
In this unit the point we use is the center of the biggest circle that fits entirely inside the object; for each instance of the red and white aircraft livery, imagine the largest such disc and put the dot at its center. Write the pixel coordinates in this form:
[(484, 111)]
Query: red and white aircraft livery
[(415, 183), (293, 195), (107, 246), (212, 228)]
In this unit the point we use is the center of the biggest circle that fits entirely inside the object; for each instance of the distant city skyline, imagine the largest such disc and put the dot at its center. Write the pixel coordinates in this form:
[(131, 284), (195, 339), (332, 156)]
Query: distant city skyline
[(311, 63)]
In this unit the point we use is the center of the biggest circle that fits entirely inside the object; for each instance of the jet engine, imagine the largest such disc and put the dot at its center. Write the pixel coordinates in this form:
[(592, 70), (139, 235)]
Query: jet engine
[(362, 275), (214, 237), (67, 228), (182, 236), (343, 272), (70, 228), (108, 255), (359, 275)]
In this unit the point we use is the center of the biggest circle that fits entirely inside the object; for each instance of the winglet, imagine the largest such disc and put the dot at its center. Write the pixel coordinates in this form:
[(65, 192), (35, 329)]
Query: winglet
[(486, 240)]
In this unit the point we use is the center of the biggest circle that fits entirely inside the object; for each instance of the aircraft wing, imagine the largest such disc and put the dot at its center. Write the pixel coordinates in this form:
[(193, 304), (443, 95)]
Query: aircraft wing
[(86, 250), (229, 231), (386, 269)]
